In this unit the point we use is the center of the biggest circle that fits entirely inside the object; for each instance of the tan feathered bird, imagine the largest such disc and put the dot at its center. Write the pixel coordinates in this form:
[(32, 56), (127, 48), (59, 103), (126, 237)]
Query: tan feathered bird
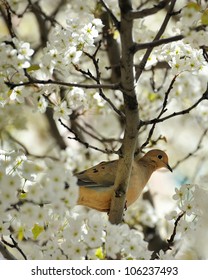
[(97, 183)]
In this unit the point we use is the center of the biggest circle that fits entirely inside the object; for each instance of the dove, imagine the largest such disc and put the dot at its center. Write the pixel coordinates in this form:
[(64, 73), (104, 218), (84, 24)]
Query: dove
[(96, 184)]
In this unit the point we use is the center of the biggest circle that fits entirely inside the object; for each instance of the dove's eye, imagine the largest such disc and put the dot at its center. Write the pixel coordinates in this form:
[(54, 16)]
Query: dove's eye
[(160, 156)]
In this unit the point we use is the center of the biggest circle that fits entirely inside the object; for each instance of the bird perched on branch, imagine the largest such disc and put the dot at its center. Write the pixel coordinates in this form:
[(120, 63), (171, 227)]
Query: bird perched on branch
[(97, 183)]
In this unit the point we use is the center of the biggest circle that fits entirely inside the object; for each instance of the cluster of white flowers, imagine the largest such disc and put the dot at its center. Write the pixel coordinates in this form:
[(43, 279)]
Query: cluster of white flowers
[(39, 207), (15, 57), (66, 45), (192, 203), (65, 49), (27, 184), (185, 59), (129, 243), (12, 116), (192, 17), (189, 67), (141, 213), (182, 57)]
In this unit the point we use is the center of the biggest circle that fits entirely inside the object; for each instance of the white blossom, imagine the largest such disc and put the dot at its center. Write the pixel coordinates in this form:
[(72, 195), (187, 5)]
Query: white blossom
[(62, 111)]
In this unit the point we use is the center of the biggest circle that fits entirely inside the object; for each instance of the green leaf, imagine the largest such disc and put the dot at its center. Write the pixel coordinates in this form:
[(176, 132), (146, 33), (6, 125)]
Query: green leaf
[(36, 230), (20, 234), (152, 96), (204, 17), (34, 67), (23, 195), (193, 5), (9, 92), (99, 253)]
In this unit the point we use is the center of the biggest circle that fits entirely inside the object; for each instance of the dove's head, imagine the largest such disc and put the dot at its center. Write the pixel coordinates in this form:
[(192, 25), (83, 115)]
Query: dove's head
[(158, 158)]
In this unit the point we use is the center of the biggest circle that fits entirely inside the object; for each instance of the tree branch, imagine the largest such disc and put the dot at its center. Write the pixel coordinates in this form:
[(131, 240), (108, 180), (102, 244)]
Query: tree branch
[(98, 78), (33, 81), (14, 245), (112, 48), (172, 237), (163, 110), (183, 112), (149, 11), (26, 151), (193, 152), (113, 17), (6, 254), (156, 43), (157, 37), (87, 145), (131, 113), (103, 140), (6, 14)]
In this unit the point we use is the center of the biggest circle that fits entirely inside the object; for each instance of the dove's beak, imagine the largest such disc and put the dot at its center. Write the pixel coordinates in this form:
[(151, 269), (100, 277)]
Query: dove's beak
[(169, 168)]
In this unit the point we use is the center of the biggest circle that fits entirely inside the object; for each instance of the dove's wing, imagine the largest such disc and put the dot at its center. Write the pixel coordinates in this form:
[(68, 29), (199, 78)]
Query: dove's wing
[(98, 176)]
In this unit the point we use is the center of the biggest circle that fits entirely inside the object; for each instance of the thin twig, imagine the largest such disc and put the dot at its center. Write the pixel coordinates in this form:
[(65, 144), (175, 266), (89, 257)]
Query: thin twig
[(14, 245), (38, 12), (170, 241), (87, 145), (183, 112), (163, 110), (157, 37), (98, 137), (113, 17), (156, 43), (172, 237), (193, 152), (7, 17), (5, 252), (98, 78), (26, 151), (33, 81), (149, 11)]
